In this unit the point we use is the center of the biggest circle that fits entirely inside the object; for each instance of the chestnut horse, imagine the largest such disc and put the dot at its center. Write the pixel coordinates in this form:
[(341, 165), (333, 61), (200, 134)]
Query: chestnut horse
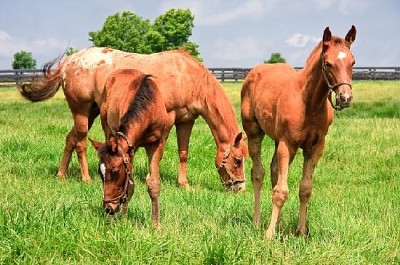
[(188, 88), (294, 109), (133, 114)]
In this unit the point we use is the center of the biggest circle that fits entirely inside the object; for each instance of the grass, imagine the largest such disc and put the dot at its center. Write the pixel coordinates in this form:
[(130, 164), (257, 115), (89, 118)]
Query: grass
[(354, 215)]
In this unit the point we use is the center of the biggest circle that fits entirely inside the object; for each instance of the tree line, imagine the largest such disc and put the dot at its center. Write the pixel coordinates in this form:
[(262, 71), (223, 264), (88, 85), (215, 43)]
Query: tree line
[(129, 32)]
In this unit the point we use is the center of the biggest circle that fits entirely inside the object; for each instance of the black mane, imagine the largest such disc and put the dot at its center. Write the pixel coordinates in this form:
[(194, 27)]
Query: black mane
[(141, 100)]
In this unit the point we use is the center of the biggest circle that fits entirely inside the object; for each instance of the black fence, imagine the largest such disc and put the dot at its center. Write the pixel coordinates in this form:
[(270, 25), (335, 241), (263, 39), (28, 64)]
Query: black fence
[(13, 77), (359, 73)]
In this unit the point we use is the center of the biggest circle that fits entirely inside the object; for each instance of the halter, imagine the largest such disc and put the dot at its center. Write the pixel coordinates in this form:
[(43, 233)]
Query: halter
[(233, 179), (332, 88), (122, 198)]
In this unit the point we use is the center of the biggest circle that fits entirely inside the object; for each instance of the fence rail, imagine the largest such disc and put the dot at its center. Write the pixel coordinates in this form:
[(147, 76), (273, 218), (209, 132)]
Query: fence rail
[(359, 73), (13, 77)]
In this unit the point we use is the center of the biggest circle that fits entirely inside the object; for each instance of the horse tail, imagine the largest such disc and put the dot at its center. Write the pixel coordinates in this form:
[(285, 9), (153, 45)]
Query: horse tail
[(46, 86)]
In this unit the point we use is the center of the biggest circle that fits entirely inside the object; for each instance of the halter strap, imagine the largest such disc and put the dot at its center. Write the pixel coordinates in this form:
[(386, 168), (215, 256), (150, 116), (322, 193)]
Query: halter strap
[(124, 196), (332, 87), (232, 179)]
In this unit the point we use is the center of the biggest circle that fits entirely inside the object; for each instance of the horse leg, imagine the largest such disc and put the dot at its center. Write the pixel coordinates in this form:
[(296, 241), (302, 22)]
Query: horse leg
[(66, 157), (183, 131), (305, 189), (274, 167), (154, 154), (280, 191), (76, 139), (257, 174)]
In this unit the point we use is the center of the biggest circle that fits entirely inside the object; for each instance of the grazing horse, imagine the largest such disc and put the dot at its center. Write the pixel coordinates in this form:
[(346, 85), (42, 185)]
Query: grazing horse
[(188, 88), (294, 108), (133, 114)]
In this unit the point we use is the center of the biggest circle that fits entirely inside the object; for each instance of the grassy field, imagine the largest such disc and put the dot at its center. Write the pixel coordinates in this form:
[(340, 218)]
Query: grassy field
[(354, 215)]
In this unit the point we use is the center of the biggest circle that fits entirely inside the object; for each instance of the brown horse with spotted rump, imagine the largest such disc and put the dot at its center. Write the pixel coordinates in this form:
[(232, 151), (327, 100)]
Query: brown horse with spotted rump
[(133, 114), (295, 109), (189, 90)]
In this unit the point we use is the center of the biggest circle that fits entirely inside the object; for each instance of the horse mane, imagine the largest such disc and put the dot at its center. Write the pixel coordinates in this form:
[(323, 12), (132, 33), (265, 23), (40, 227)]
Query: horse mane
[(219, 105), (143, 97)]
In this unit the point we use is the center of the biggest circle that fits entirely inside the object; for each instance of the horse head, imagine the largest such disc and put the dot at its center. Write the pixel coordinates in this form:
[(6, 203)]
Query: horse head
[(337, 67), (115, 169), (231, 169)]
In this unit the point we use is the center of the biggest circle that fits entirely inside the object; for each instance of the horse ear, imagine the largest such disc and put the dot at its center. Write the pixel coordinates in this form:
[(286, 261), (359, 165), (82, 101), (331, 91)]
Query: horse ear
[(351, 35), (95, 144), (237, 140), (112, 141), (326, 38)]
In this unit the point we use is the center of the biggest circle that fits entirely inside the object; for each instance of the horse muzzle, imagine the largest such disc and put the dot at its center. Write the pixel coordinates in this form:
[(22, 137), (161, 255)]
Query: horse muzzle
[(111, 208), (343, 96), (236, 186)]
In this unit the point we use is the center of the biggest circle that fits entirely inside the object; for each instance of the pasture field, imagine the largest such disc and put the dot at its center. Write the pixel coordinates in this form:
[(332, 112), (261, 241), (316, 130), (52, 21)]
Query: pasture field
[(354, 214)]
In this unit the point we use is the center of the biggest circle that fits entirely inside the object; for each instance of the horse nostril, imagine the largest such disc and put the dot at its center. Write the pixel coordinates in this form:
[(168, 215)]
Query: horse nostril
[(345, 98), (109, 210)]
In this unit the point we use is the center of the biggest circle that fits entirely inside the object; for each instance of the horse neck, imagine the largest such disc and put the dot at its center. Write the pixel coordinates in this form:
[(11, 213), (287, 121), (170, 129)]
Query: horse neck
[(315, 88), (220, 117)]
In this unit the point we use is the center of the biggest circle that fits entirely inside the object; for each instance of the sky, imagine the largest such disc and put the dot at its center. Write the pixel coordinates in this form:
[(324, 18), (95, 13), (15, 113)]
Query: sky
[(230, 33)]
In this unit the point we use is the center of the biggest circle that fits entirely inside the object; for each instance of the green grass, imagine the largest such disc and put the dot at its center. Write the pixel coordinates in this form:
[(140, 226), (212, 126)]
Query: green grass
[(354, 214)]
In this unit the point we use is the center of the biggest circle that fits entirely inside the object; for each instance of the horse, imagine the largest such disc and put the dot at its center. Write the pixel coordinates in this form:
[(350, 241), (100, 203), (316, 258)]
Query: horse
[(295, 109), (133, 114), (188, 88)]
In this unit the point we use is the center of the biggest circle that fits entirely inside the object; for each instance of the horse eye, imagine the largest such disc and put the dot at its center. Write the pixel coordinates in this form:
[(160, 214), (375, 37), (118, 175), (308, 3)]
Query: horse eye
[(115, 173), (327, 65), (237, 161)]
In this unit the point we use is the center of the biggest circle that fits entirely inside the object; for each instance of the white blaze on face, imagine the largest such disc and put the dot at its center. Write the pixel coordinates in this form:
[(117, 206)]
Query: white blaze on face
[(102, 168), (341, 56)]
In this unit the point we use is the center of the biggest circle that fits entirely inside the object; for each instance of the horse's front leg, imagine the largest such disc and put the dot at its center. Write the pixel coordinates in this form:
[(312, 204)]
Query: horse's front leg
[(282, 157), (154, 154), (183, 131), (311, 158)]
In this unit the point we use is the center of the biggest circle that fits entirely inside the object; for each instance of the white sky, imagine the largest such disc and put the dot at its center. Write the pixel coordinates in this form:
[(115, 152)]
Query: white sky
[(234, 33)]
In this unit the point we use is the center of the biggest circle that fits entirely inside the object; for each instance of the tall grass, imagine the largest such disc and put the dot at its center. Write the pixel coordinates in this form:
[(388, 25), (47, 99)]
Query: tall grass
[(353, 216)]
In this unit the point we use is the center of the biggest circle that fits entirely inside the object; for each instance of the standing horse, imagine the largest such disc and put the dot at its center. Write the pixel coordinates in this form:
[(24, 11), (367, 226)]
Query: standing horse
[(294, 109), (133, 114), (188, 88)]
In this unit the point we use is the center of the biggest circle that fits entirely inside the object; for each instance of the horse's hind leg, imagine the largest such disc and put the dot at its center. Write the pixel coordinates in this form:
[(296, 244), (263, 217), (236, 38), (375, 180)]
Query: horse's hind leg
[(257, 173), (183, 131), (311, 158), (76, 139), (66, 157)]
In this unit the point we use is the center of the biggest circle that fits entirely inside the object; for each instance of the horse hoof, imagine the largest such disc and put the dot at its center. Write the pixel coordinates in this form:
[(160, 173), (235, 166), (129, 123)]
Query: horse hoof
[(303, 233)]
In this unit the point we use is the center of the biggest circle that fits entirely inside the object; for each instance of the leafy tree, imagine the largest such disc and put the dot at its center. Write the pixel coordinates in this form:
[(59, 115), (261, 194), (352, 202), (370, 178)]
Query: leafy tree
[(276, 57), (70, 51), (23, 60), (126, 31), (176, 27), (129, 32), (192, 48)]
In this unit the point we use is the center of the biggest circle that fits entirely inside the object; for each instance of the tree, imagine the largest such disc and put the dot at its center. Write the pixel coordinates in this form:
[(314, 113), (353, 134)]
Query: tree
[(129, 32), (70, 51), (275, 58), (23, 60), (126, 32)]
